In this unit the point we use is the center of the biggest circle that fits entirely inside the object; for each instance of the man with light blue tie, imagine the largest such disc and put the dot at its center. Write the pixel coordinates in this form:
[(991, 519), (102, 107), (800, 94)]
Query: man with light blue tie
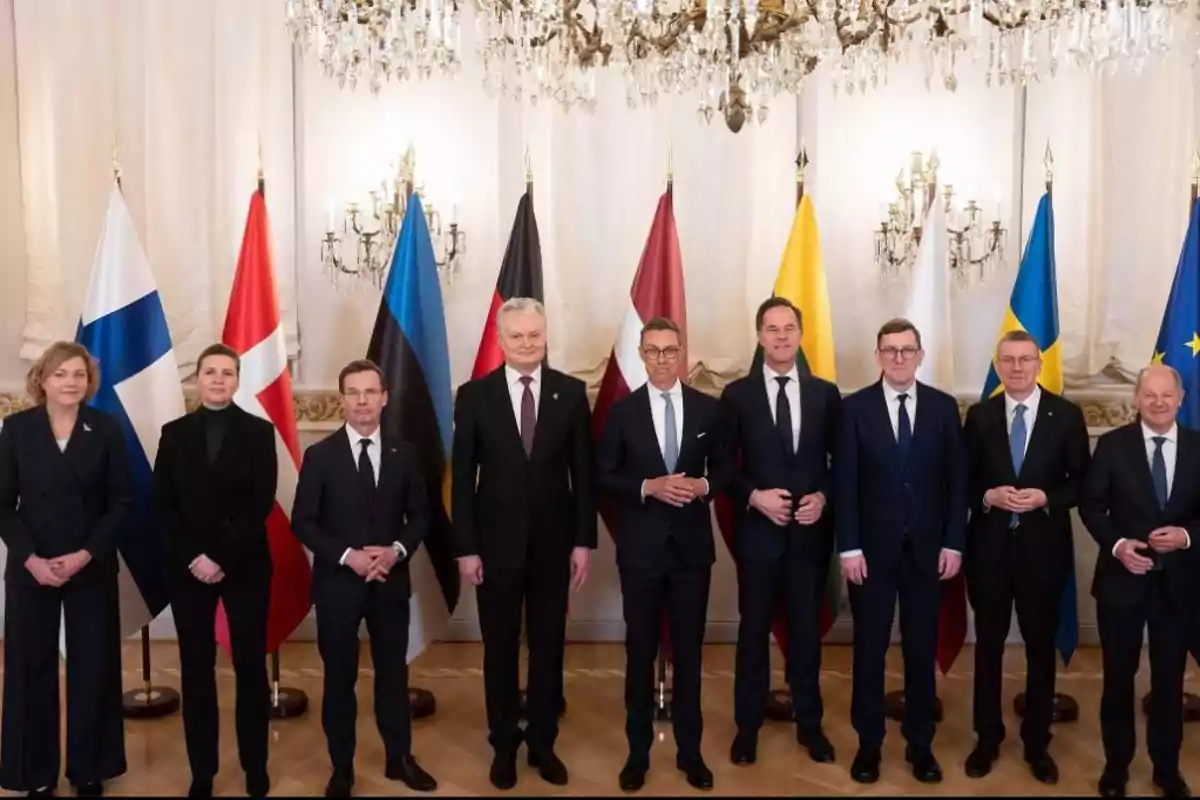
[(1027, 454), (1141, 500)]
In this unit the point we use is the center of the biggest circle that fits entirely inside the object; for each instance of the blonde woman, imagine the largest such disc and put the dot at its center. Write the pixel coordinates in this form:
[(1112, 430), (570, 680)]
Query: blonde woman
[(65, 492)]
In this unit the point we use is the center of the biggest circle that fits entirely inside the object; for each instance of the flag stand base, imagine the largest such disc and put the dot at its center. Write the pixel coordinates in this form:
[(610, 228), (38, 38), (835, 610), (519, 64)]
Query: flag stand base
[(779, 706), (421, 703), (288, 703), (149, 702), (893, 703), (1066, 709), (1191, 706), (562, 706), (662, 703)]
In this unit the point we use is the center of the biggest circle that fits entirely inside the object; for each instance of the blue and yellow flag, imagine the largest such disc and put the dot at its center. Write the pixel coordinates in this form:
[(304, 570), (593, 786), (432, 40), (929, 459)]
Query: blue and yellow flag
[(1178, 342), (1033, 307)]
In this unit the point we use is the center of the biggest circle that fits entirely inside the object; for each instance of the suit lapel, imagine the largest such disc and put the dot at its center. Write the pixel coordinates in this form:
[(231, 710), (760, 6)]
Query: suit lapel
[(643, 422), (883, 421), (1041, 430), (762, 409), (809, 413), (691, 427), (502, 401), (349, 462), (1140, 465), (1187, 461), (547, 409), (998, 431)]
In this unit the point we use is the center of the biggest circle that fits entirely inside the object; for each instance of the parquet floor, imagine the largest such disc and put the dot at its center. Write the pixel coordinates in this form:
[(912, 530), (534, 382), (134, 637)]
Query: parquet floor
[(452, 745)]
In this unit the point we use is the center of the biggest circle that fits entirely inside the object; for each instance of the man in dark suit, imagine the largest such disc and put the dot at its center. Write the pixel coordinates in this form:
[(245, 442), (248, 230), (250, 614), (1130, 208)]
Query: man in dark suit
[(782, 422), (214, 487), (361, 508), (524, 525), (900, 470), (661, 462), (1141, 503), (1027, 453)]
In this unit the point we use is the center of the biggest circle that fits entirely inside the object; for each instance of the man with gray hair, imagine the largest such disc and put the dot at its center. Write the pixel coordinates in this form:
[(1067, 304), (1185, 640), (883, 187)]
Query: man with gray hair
[(524, 525), (1141, 502)]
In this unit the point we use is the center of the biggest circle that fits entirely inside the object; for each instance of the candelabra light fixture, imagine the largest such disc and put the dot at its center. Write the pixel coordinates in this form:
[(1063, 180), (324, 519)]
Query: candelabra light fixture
[(358, 251), (975, 248)]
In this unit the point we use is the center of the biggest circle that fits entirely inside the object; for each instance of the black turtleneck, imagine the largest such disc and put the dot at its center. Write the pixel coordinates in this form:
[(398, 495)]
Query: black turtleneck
[(216, 422)]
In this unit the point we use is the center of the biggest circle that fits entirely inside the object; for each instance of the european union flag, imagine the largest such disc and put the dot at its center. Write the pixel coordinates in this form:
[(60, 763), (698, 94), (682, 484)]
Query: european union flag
[(1178, 341)]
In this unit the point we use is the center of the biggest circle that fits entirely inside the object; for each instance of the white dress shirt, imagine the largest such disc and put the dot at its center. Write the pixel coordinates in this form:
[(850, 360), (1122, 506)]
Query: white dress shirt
[(516, 390), (792, 389), (375, 455), (1169, 448), (658, 413)]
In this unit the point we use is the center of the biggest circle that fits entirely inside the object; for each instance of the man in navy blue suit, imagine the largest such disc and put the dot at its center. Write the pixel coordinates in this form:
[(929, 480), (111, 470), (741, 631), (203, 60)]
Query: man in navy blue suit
[(901, 502)]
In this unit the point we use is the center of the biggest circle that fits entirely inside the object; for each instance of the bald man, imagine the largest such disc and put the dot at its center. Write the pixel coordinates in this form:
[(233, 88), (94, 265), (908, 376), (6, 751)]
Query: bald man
[(1141, 502)]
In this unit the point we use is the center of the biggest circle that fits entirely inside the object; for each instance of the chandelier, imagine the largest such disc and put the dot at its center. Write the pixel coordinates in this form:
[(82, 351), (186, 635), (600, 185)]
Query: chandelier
[(736, 55)]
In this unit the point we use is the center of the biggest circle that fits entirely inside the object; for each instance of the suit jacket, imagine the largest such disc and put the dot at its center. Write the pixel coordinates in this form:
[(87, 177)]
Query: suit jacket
[(217, 509), (882, 499), (56, 502), (503, 499), (1056, 459), (1119, 502), (630, 454), (333, 511), (749, 428)]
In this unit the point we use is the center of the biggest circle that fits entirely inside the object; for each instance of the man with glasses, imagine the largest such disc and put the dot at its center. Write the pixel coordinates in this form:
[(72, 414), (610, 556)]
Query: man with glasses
[(1027, 453), (661, 462), (781, 421), (900, 471)]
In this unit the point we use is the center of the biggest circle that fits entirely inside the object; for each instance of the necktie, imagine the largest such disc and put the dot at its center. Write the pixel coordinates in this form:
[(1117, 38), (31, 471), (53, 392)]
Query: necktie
[(670, 436), (528, 415), (1016, 446), (1158, 472), (783, 416), (904, 426), (366, 471)]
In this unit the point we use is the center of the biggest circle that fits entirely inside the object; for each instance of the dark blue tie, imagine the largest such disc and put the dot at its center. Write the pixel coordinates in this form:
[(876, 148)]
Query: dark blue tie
[(783, 416), (1158, 472), (904, 433), (1016, 447), (366, 470)]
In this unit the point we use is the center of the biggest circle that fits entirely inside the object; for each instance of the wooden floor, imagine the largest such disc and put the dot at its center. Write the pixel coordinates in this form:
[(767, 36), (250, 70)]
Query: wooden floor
[(453, 746)]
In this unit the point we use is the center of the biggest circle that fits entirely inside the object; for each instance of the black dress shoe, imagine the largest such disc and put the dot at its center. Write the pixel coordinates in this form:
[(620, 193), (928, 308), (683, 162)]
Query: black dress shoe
[(89, 789), (1171, 784), (340, 783), (925, 767), (201, 787), (503, 773), (1042, 766), (698, 773), (820, 749), (633, 775), (45, 791), (1112, 783), (409, 772), (549, 766), (744, 750), (865, 768), (981, 760)]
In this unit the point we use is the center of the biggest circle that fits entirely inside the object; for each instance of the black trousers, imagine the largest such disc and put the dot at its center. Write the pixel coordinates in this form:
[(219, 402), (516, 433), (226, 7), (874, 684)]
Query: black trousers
[(874, 607), (386, 612), (29, 739), (800, 584), (540, 587), (1121, 633), (994, 588), (646, 592), (194, 606)]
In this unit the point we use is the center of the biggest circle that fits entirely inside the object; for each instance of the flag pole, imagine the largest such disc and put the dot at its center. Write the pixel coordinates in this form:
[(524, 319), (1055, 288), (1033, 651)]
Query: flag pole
[(664, 695), (150, 701)]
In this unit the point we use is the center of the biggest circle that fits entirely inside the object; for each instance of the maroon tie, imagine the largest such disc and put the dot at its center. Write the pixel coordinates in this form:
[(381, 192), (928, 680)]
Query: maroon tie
[(528, 416)]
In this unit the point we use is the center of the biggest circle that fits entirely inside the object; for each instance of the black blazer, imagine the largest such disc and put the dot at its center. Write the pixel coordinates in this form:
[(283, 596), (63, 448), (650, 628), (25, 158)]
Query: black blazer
[(881, 500), (760, 463), (630, 454), (500, 497), (333, 511), (1119, 502), (217, 509), (1056, 459), (56, 502)]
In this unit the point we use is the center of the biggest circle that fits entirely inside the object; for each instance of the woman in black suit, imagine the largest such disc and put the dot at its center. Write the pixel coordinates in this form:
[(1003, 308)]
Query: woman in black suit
[(214, 487), (65, 492)]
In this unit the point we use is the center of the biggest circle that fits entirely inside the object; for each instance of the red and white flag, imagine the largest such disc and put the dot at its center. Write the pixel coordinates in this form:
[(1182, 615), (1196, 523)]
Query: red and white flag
[(253, 329)]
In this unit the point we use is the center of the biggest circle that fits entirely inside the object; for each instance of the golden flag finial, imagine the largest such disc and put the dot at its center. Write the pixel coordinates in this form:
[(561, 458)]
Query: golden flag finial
[(116, 162), (528, 166), (801, 162), (1048, 160), (670, 162)]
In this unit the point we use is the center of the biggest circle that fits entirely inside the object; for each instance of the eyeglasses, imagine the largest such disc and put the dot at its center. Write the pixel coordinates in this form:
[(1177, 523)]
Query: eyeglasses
[(905, 353), (665, 354), (368, 394), (1024, 361)]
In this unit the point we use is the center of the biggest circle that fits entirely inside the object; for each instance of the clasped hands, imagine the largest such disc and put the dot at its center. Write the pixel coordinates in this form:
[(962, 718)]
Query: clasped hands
[(776, 505), (675, 490), (1161, 540), (1018, 501), (372, 563), (57, 571)]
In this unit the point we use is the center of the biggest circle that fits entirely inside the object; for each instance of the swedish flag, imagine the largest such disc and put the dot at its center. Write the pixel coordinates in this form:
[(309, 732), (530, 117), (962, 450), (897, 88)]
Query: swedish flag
[(1033, 307), (1178, 342)]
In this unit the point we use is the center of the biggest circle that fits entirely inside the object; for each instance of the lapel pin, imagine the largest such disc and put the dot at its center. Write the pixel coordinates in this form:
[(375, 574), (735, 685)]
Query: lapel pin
[(87, 427), (554, 396)]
